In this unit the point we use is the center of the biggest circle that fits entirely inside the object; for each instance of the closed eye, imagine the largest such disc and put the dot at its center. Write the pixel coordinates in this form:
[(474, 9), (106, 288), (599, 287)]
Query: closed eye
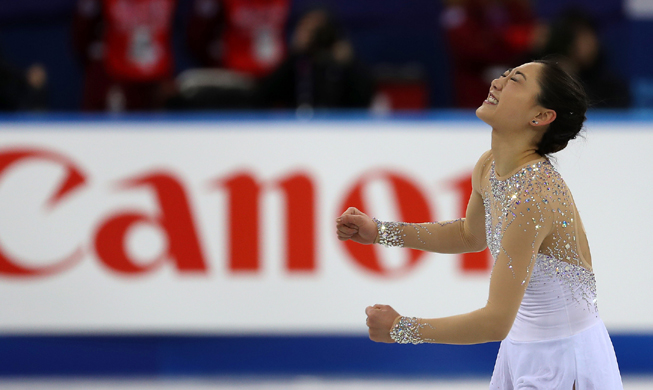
[(507, 73), (512, 78)]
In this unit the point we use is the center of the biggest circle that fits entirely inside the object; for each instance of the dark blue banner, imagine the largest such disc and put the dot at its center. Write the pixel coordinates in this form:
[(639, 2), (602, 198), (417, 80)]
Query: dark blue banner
[(336, 356)]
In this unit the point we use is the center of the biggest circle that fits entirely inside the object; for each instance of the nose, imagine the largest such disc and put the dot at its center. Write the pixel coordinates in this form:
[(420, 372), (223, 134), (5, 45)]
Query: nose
[(496, 84)]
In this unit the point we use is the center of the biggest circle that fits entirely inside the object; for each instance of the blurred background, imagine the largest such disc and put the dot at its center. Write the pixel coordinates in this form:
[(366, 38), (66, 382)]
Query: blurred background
[(169, 171), (92, 55)]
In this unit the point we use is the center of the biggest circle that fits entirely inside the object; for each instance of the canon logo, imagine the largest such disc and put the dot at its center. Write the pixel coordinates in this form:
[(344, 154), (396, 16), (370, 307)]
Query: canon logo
[(243, 190)]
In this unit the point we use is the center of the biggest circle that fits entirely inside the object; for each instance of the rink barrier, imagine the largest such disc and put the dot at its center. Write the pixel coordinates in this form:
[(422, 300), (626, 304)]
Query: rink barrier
[(265, 356)]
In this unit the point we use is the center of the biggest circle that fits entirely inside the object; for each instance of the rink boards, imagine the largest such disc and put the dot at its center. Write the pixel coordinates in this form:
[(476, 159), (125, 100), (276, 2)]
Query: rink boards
[(206, 245)]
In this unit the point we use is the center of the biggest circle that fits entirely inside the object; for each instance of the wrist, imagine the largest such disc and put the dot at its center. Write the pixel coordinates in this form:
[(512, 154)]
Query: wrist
[(407, 330), (389, 234), (394, 323)]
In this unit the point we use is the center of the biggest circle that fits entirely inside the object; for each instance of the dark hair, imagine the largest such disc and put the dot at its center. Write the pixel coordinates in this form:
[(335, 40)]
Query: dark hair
[(562, 93)]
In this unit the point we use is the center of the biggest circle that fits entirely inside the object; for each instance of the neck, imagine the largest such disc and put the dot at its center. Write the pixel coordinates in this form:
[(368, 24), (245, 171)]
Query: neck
[(511, 152)]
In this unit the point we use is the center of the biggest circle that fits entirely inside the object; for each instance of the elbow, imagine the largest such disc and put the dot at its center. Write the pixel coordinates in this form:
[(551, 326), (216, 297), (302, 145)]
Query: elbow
[(472, 242), (498, 333), (475, 245), (498, 328)]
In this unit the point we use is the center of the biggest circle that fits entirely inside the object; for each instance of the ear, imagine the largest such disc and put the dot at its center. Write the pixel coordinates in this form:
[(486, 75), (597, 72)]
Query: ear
[(543, 118)]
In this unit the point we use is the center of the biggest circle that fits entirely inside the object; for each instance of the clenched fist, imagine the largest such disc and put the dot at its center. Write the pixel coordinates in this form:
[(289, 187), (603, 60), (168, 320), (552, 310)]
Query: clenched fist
[(380, 319), (356, 226)]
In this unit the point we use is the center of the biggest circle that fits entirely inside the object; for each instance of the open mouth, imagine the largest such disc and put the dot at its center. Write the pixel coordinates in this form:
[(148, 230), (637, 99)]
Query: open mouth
[(491, 100)]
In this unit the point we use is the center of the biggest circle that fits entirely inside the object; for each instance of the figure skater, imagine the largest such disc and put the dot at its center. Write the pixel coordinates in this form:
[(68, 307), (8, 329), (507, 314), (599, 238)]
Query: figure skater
[(542, 298)]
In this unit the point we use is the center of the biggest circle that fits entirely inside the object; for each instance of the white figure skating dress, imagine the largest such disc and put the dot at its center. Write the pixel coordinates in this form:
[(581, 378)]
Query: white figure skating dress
[(557, 340)]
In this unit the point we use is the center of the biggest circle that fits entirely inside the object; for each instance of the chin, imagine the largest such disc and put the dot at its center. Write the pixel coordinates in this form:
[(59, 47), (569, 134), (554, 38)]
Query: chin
[(482, 114)]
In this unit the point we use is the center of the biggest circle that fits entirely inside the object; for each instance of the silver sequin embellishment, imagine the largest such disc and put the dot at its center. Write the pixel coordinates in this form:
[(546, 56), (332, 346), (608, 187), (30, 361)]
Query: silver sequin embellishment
[(540, 190), (391, 234), (407, 331)]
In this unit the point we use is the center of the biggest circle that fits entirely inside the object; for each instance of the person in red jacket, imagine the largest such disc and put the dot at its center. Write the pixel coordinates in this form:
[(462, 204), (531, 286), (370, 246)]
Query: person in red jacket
[(244, 36), (485, 37), (125, 47)]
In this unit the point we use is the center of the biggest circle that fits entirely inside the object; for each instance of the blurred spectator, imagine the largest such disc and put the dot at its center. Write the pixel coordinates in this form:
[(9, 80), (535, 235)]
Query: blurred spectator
[(22, 90), (485, 37), (320, 72), (243, 36), (573, 37), (125, 48), (400, 87), (236, 43)]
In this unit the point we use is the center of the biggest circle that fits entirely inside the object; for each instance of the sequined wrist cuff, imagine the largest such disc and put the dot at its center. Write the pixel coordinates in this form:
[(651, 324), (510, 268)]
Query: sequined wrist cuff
[(407, 331), (389, 233)]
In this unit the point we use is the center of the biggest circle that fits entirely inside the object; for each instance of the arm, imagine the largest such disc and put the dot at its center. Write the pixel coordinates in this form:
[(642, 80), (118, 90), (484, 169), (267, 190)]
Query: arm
[(458, 236), (510, 276)]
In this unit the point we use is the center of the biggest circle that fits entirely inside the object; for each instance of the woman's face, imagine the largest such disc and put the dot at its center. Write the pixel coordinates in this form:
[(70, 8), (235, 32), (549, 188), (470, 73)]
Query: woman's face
[(512, 101)]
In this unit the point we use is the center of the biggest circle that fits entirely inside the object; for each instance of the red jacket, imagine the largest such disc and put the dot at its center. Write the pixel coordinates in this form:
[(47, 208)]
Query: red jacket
[(484, 38), (242, 35), (138, 39)]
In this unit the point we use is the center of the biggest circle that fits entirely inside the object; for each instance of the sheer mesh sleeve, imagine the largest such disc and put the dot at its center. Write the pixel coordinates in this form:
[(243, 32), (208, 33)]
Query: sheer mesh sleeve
[(456, 236), (518, 219)]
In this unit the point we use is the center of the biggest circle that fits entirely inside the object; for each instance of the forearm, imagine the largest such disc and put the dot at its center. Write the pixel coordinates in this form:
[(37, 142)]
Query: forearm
[(479, 326), (441, 237)]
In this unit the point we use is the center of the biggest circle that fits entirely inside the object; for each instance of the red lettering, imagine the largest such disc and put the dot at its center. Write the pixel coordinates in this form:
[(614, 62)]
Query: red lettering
[(474, 261), (413, 207), (243, 216), (74, 179), (175, 219), (300, 222)]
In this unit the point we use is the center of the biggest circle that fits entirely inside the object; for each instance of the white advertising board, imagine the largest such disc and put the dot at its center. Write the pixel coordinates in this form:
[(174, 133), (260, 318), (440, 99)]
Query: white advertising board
[(228, 227)]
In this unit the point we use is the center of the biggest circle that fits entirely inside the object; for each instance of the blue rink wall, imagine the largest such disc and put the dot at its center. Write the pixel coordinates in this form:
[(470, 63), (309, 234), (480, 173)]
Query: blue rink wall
[(266, 356), (167, 349)]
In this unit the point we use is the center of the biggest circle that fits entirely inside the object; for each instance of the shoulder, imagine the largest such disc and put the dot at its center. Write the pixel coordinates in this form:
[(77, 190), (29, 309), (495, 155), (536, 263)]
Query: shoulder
[(481, 168), (530, 211), (535, 186)]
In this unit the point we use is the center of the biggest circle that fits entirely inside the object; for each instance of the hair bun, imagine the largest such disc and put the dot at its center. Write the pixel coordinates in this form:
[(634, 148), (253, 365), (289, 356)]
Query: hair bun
[(561, 92)]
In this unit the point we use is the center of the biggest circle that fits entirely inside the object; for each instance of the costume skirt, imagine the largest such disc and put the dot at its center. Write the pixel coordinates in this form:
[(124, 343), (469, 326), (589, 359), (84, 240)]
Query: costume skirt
[(585, 359)]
